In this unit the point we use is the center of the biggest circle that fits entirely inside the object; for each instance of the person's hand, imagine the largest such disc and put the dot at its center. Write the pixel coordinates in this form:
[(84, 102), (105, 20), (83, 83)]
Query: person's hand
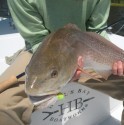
[(118, 68)]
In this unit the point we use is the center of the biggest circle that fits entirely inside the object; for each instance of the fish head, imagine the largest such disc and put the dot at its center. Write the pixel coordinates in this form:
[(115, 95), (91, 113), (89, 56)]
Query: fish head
[(52, 66)]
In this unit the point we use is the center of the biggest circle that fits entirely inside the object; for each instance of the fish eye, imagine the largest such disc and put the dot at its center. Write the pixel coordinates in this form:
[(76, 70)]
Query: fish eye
[(54, 73)]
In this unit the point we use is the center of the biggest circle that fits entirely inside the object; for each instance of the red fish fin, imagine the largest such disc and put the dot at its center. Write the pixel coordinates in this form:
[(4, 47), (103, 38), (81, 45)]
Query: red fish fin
[(105, 74), (90, 73)]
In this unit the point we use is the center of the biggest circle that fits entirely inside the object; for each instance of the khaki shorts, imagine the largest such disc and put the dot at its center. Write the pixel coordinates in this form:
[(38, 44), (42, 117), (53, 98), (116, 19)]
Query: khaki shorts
[(18, 66)]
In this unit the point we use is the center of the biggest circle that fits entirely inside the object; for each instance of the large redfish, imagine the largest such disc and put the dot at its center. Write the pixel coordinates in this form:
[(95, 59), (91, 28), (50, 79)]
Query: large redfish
[(55, 61)]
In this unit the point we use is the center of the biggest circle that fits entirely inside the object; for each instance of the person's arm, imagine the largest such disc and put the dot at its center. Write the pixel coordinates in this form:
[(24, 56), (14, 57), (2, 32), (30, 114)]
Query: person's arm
[(28, 21), (99, 16)]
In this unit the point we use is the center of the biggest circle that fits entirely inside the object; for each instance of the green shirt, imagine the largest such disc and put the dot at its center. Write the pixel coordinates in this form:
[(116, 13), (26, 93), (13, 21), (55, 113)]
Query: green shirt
[(35, 19)]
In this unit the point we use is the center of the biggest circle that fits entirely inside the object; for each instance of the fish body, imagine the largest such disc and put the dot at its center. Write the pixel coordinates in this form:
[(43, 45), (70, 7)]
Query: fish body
[(55, 61)]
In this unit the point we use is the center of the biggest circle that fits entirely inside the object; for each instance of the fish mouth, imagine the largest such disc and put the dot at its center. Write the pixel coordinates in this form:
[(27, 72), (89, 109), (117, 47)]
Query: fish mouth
[(37, 100)]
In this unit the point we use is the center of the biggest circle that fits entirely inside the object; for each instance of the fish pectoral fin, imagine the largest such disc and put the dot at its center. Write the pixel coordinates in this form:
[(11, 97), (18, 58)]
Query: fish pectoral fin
[(89, 74), (83, 79), (105, 74)]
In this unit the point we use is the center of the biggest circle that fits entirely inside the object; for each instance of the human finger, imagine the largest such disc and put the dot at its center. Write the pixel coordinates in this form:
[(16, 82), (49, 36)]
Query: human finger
[(120, 68), (114, 68)]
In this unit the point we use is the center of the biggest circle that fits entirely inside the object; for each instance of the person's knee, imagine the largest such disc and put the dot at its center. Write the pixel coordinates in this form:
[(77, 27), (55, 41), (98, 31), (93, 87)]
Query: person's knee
[(17, 67)]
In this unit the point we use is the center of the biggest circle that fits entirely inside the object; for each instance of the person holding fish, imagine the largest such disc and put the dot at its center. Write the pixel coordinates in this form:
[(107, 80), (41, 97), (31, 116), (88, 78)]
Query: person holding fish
[(37, 19)]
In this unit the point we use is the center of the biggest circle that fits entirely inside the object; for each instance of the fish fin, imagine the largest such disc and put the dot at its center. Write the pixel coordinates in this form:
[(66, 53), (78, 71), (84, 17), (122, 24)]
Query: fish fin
[(89, 74), (105, 74), (83, 79)]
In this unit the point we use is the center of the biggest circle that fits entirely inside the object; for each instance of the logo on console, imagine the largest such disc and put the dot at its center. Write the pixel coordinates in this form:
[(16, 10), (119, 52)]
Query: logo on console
[(75, 103)]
